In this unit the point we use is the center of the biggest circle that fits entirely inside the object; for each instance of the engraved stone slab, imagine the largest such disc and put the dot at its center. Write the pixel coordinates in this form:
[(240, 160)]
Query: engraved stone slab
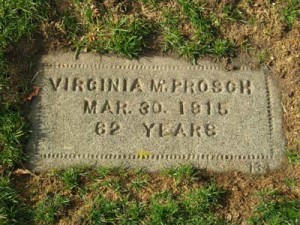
[(154, 113)]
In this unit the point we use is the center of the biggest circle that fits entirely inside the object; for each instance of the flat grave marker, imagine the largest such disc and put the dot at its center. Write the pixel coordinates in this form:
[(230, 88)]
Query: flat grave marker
[(154, 113)]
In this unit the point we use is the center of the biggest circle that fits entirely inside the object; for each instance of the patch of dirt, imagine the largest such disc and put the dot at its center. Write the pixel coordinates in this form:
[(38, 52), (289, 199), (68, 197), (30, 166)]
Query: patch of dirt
[(244, 190)]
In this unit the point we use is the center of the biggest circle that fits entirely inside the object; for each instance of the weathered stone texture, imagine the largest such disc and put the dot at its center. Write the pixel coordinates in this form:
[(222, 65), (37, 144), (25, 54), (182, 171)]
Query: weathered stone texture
[(154, 113)]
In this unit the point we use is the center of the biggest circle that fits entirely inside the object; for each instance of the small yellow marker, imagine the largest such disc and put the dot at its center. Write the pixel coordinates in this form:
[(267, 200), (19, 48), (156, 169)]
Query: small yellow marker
[(143, 154)]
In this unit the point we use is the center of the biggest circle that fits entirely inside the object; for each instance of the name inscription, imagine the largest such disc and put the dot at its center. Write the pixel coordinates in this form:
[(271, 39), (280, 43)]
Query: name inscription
[(154, 85), (119, 107)]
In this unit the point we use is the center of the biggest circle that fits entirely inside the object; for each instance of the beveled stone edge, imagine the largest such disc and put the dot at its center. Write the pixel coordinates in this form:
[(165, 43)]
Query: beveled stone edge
[(133, 66), (276, 118), (151, 156), (219, 163)]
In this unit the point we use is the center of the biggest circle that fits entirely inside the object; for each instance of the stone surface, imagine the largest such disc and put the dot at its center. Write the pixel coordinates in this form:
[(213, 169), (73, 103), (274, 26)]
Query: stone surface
[(154, 113)]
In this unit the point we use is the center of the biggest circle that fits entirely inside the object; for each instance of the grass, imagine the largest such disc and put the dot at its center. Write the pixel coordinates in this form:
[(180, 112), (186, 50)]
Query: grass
[(107, 34), (293, 157), (12, 211), (139, 183), (18, 19), (105, 211), (201, 204), (117, 199), (127, 37), (164, 209), (276, 208), (154, 3), (102, 172), (195, 207), (12, 134), (290, 13), (50, 209), (131, 29), (71, 177), (290, 182), (233, 13), (204, 38), (262, 57), (183, 173)]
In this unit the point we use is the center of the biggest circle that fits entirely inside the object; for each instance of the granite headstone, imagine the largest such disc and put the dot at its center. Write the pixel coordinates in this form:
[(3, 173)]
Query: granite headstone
[(154, 113)]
